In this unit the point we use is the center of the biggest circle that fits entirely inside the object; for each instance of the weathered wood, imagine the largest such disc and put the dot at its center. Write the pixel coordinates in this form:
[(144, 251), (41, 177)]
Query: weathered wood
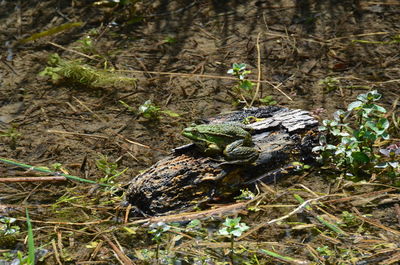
[(187, 178)]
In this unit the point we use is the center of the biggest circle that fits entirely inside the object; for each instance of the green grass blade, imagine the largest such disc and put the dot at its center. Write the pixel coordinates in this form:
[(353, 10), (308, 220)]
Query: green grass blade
[(31, 243), (51, 31), (284, 258), (44, 170), (331, 226)]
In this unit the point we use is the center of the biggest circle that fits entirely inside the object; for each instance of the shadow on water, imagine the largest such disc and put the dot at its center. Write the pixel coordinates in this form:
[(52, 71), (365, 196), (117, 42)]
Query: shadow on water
[(295, 33)]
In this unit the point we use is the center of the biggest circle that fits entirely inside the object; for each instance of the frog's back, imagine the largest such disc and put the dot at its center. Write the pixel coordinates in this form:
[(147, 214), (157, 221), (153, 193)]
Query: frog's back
[(228, 130)]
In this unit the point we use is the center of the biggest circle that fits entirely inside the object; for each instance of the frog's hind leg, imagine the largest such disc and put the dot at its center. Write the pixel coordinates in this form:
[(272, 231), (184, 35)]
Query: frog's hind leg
[(236, 153)]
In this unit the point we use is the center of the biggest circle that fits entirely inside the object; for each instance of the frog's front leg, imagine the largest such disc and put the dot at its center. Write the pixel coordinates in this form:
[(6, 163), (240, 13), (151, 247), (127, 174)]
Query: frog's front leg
[(212, 149), (241, 153)]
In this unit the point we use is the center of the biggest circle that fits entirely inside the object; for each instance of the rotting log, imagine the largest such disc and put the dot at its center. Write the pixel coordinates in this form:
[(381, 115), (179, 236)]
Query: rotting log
[(188, 179)]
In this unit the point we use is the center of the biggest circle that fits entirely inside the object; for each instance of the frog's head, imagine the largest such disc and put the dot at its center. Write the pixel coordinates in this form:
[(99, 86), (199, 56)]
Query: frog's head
[(192, 133)]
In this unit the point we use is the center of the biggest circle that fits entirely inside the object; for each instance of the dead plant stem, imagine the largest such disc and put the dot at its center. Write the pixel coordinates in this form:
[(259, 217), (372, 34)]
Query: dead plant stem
[(259, 70)]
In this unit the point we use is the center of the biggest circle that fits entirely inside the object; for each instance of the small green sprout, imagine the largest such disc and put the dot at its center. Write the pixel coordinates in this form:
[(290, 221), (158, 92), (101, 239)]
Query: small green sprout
[(244, 86), (57, 167), (239, 71), (149, 111), (8, 232), (86, 44), (158, 231), (329, 84), (7, 227), (233, 228)]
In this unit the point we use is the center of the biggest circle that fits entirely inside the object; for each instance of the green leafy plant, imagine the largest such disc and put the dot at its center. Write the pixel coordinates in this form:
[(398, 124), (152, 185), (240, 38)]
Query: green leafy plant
[(149, 110), (349, 146), (233, 228), (239, 71), (244, 89), (244, 86)]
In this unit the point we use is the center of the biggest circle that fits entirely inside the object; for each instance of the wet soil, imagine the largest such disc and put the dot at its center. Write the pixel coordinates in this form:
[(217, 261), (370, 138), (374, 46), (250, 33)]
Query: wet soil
[(180, 52)]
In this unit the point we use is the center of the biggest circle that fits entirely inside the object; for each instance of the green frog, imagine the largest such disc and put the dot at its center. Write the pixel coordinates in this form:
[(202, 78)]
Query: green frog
[(233, 140)]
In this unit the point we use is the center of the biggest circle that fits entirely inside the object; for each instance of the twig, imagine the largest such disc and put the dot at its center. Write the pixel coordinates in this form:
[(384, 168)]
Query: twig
[(45, 170), (123, 258), (19, 18), (360, 196), (96, 250), (141, 145), (78, 134), (9, 66), (68, 223), (371, 222), (56, 254), (207, 76), (359, 35), (397, 209), (88, 109), (259, 70), (298, 209), (73, 51), (128, 210), (229, 209), (32, 179), (135, 143)]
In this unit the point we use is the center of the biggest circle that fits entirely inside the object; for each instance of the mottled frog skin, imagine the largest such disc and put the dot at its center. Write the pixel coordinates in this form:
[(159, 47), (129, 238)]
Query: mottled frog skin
[(233, 140)]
